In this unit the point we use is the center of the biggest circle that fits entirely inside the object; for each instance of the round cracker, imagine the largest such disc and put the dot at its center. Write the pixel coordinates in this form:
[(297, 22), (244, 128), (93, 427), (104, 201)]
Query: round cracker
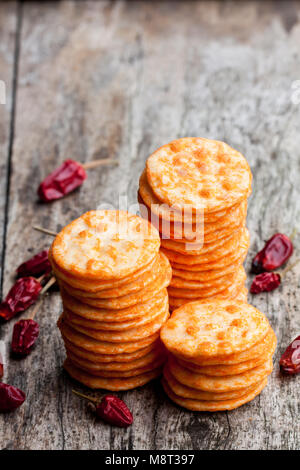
[(113, 384), (205, 247), (198, 405), (147, 197), (129, 300), (214, 328), (150, 358), (221, 282), (231, 244), (113, 316), (158, 362), (219, 384), (242, 295), (230, 369), (103, 347), (184, 233), (235, 291), (158, 270), (122, 358), (105, 245), (183, 223), (188, 392), (268, 343), (199, 233), (153, 314), (204, 174), (204, 276), (90, 285), (149, 204), (228, 291), (205, 263), (133, 334)]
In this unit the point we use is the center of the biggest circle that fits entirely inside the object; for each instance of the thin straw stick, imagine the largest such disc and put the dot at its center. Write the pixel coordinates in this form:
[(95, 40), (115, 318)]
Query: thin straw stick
[(93, 400), (48, 285), (288, 268), (44, 230), (36, 308), (102, 162), (43, 291)]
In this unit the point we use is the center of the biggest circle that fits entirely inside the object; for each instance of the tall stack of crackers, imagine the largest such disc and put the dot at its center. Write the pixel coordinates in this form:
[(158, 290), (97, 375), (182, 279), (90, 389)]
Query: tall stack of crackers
[(195, 192), (220, 354), (113, 281)]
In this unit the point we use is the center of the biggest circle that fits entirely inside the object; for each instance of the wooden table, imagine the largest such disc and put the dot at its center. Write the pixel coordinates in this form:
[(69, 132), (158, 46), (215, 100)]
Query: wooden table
[(87, 80)]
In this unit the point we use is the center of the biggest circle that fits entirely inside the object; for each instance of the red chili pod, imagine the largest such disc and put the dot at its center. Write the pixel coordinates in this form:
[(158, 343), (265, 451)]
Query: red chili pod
[(275, 253), (10, 397), (111, 409), (36, 266), (1, 366), (290, 359), (67, 177), (114, 411), (265, 282), (25, 334), (22, 294)]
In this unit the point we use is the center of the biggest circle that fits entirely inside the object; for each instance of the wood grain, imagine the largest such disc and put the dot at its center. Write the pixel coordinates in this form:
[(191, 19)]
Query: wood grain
[(8, 41), (118, 79)]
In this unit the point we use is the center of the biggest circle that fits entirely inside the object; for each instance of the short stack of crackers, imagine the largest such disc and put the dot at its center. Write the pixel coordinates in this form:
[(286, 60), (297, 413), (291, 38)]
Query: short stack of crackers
[(113, 281), (195, 192), (220, 354)]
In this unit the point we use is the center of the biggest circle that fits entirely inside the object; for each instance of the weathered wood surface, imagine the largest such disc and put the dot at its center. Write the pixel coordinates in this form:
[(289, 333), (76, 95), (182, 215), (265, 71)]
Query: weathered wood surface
[(100, 79)]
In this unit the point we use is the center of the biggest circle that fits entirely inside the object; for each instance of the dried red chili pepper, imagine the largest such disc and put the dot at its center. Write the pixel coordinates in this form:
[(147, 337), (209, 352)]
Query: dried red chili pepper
[(111, 409), (265, 282), (275, 253), (35, 266), (26, 331), (67, 177), (290, 359), (1, 366), (22, 294), (25, 334), (10, 397)]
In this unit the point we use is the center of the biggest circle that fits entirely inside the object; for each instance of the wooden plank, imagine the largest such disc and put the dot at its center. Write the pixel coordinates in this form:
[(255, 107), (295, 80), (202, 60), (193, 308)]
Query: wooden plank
[(8, 26), (119, 79)]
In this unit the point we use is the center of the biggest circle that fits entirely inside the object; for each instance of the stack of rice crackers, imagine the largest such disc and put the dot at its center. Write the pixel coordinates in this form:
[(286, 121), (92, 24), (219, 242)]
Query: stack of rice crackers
[(113, 281), (220, 354), (195, 192)]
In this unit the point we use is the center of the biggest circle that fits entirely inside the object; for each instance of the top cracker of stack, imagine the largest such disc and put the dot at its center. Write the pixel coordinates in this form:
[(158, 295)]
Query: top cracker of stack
[(195, 192), (113, 281)]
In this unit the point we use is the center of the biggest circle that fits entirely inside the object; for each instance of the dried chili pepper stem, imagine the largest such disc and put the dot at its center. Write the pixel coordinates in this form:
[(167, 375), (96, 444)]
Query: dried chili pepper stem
[(35, 310), (48, 285), (91, 399), (95, 163), (39, 279), (44, 230), (293, 234), (288, 268)]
